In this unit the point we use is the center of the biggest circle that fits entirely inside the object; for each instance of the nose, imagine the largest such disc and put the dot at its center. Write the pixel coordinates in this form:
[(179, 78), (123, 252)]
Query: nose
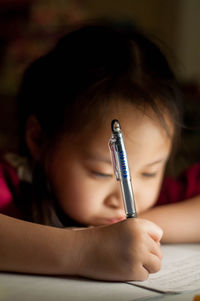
[(114, 198)]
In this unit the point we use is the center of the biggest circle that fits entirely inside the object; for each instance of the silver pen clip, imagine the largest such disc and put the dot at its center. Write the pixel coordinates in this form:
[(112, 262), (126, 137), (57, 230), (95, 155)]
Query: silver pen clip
[(114, 157)]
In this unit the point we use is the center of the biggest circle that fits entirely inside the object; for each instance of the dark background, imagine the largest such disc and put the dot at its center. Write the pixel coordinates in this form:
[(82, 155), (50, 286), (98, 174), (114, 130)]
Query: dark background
[(28, 28)]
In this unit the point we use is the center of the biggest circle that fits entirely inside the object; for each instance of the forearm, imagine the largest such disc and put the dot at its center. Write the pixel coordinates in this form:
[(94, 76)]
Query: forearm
[(180, 221), (32, 248), (96, 252)]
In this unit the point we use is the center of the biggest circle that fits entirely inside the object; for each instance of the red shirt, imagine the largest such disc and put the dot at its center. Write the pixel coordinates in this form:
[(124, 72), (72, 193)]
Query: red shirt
[(172, 190), (9, 187), (186, 186)]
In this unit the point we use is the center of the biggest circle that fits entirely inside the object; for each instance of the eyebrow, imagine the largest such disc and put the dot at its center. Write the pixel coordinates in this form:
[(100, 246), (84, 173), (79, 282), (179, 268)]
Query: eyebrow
[(155, 162), (98, 157), (101, 158)]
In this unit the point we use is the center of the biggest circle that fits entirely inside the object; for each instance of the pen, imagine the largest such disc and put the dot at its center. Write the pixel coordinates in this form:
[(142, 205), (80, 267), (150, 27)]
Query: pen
[(121, 168)]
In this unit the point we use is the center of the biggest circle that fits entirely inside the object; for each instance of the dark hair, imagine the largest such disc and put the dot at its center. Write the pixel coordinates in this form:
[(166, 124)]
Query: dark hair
[(88, 68)]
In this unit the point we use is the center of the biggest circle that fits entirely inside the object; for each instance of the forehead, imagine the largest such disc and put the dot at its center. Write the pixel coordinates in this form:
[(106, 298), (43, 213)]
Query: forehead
[(142, 131)]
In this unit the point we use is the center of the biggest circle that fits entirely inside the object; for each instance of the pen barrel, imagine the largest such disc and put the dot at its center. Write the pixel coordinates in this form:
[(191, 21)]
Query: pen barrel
[(128, 198), (124, 176)]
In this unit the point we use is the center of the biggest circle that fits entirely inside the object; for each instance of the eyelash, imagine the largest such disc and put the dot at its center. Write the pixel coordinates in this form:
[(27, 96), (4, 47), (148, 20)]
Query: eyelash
[(149, 175), (101, 175)]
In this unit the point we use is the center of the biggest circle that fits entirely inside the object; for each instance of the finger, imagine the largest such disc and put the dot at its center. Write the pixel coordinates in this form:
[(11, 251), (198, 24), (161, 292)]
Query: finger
[(154, 230), (141, 274), (153, 265), (156, 249)]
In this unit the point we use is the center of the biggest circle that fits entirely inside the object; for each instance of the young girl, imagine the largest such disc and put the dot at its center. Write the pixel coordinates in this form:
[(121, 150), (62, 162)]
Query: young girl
[(62, 209)]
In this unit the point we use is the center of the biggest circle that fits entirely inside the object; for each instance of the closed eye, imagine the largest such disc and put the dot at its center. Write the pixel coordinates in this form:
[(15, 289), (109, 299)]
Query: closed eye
[(149, 174), (101, 175)]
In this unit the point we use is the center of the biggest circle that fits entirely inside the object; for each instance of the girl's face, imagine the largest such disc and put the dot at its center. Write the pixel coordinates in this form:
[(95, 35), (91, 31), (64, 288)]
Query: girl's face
[(81, 171)]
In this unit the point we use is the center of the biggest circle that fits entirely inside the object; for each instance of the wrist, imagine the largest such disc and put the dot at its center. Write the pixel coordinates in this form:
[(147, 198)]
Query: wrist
[(73, 253)]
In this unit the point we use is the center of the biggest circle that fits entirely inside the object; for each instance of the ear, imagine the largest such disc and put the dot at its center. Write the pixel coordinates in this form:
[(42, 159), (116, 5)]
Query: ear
[(35, 138)]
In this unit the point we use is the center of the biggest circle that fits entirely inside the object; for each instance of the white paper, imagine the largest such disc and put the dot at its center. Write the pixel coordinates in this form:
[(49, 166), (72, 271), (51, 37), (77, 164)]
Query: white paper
[(16, 287), (180, 270)]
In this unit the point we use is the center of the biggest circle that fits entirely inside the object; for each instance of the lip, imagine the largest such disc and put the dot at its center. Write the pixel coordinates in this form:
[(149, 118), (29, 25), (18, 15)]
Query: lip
[(114, 220)]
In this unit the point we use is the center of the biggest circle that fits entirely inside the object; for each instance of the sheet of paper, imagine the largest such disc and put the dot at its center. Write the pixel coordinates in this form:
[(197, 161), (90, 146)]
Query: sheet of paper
[(42, 288), (180, 270)]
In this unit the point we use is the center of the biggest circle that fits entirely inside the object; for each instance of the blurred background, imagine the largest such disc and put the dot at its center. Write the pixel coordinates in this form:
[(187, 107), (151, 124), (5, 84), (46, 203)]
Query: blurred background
[(28, 28)]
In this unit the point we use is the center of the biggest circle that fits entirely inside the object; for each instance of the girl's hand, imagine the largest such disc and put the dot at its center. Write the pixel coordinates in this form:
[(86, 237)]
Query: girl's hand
[(128, 250)]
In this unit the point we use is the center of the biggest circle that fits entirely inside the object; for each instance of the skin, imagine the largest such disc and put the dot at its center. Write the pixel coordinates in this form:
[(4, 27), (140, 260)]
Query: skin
[(32, 248), (81, 172), (98, 200)]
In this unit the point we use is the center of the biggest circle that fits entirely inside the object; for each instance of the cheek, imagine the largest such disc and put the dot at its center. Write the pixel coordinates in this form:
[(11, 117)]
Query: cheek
[(144, 200), (146, 194), (79, 197)]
